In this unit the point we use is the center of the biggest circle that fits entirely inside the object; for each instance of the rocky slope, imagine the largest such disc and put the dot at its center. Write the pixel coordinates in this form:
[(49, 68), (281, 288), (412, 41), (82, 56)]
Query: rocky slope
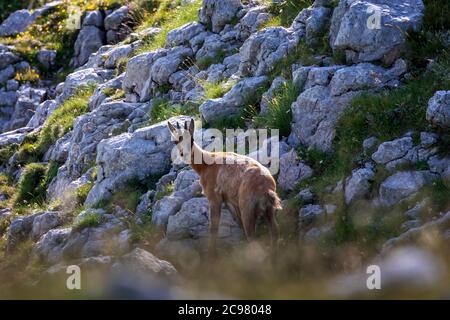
[(364, 117)]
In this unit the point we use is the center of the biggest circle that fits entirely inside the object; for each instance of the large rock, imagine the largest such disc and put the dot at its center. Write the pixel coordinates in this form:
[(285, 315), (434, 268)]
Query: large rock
[(438, 112), (46, 57), (216, 14), (20, 20), (354, 28), (403, 184), (45, 222), (8, 98), (252, 21), (140, 261), (7, 58), (29, 99), (116, 25), (136, 155), (89, 40), (234, 100), (292, 171), (14, 137), (186, 186), (392, 150), (437, 227), (6, 74), (43, 111), (264, 49), (328, 91), (147, 71), (188, 231), (110, 237), (49, 248), (358, 185), (314, 20), (315, 115), (82, 78), (184, 34)]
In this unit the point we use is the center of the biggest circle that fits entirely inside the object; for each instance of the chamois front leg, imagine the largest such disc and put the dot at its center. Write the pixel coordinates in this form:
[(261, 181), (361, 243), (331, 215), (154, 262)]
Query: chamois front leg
[(214, 219)]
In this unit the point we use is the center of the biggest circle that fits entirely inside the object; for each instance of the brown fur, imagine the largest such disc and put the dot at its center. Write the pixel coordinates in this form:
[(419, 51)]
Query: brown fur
[(246, 187)]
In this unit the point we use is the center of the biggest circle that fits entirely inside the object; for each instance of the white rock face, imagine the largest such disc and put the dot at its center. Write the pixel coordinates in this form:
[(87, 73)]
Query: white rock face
[(109, 237), (217, 14), (263, 49), (188, 230), (373, 30), (438, 112), (141, 261), (186, 186), (328, 91), (403, 184), (357, 186), (233, 101), (20, 20), (392, 150), (292, 171), (140, 154), (148, 70)]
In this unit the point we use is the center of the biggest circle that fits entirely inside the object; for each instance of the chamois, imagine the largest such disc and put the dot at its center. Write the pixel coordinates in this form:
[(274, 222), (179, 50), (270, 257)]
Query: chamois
[(242, 183)]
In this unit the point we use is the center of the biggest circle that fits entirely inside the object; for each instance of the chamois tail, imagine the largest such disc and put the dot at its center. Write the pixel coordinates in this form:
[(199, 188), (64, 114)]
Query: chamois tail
[(273, 200)]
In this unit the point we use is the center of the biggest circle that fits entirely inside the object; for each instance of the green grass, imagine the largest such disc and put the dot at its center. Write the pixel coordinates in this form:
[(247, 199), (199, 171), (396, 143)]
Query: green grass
[(88, 220), (301, 54), (279, 114), (83, 191), (113, 93), (57, 125), (386, 115), (287, 10), (162, 110), (168, 189), (429, 41), (169, 15), (7, 151), (33, 183), (205, 62), (7, 189), (215, 90), (8, 7)]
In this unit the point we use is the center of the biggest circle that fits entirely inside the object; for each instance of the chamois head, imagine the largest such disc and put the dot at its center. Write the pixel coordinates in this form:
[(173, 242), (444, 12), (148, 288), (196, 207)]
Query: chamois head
[(183, 136)]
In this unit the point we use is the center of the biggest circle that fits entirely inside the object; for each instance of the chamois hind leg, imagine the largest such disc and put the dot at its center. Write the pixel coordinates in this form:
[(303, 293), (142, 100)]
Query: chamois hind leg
[(273, 228), (248, 216), (214, 216)]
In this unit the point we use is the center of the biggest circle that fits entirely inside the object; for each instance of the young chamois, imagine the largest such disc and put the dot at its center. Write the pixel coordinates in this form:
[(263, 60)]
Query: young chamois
[(243, 184)]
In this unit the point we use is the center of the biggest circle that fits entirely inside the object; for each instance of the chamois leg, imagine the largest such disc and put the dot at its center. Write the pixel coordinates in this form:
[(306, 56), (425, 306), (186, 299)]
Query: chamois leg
[(249, 223), (273, 228), (214, 216)]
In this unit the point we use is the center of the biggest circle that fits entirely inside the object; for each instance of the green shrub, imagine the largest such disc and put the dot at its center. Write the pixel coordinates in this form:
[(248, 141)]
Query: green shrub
[(287, 10), (431, 39), (31, 189), (169, 15), (88, 220), (57, 125), (205, 62), (33, 183), (7, 152), (168, 189), (83, 191), (215, 90), (279, 114), (162, 110)]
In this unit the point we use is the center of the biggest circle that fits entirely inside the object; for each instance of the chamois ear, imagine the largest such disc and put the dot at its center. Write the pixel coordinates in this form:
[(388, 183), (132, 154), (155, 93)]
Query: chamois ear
[(172, 129), (191, 128)]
